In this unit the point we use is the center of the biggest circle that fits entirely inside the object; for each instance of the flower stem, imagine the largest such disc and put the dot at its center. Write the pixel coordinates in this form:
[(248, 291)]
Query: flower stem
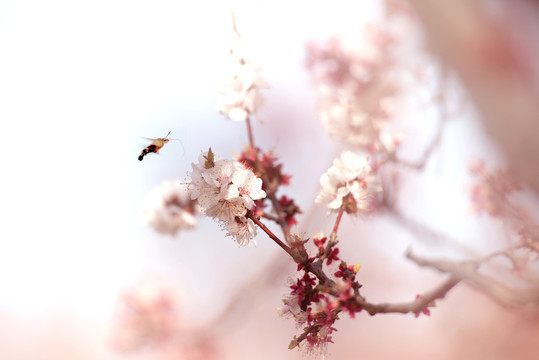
[(316, 270), (250, 133), (255, 219), (280, 216), (234, 25), (333, 235)]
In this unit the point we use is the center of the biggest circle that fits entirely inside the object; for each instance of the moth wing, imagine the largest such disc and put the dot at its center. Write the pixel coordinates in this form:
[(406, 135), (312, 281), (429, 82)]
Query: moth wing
[(149, 139)]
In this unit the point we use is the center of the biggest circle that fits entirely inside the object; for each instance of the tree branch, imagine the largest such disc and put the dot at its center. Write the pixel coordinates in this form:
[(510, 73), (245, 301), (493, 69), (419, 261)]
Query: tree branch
[(415, 306), (504, 294)]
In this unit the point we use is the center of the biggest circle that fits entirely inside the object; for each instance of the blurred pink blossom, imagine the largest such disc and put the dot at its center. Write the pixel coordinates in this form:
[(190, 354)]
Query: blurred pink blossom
[(240, 92), (147, 317), (168, 208), (358, 89)]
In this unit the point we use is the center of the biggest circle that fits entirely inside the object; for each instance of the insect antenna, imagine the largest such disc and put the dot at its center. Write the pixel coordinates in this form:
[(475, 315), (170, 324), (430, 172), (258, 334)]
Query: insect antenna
[(181, 142)]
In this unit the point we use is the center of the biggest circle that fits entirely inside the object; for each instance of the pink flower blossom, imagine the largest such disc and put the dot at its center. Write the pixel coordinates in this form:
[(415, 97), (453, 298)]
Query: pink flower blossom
[(147, 316), (491, 194), (358, 90)]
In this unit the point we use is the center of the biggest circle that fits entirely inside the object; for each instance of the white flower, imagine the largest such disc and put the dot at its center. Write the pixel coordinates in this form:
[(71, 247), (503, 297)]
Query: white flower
[(227, 209), (349, 120), (217, 174), (209, 186), (225, 190), (168, 208), (292, 309), (248, 185), (242, 230), (349, 175), (240, 92)]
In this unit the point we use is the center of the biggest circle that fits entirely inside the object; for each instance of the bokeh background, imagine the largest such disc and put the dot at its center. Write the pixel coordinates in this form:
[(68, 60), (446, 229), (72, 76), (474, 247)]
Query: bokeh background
[(81, 82)]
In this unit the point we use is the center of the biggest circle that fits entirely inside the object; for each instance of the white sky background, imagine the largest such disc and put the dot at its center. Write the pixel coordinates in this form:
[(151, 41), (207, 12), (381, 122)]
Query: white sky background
[(80, 82)]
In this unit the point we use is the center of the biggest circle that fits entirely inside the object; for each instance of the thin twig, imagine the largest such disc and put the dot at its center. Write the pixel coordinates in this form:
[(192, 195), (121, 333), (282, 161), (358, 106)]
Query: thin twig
[(419, 165), (280, 215), (265, 215), (314, 268), (272, 236), (235, 26), (444, 116), (333, 235), (467, 271), (413, 306), (250, 132)]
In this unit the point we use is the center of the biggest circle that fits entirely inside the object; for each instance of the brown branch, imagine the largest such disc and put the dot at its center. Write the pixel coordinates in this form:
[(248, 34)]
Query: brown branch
[(330, 286), (413, 306), (272, 236), (298, 256), (467, 271), (280, 216), (270, 217)]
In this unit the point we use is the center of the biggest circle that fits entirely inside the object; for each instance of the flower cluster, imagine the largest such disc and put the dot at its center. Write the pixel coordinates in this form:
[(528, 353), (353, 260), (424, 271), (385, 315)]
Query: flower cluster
[(316, 324), (226, 190), (168, 208), (240, 92), (490, 195), (315, 304), (147, 316), (350, 183), (493, 195), (358, 90), (326, 251)]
